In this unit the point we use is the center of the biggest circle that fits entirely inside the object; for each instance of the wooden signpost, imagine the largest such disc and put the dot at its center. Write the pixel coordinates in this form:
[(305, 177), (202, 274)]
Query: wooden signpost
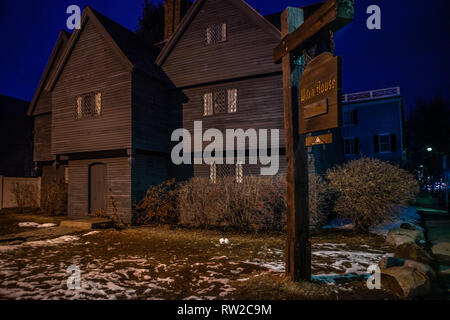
[(314, 113)]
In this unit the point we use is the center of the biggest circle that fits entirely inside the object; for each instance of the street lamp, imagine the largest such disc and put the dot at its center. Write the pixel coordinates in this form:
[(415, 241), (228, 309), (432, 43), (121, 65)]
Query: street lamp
[(429, 149)]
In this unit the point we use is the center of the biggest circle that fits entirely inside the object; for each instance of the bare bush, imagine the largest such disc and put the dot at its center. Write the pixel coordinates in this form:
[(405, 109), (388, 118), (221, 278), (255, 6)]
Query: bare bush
[(54, 198), (369, 191), (320, 202), (255, 204), (158, 205), (26, 196)]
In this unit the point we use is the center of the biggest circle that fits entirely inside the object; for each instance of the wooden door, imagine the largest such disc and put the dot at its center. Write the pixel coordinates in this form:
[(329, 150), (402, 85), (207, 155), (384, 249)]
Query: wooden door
[(97, 187)]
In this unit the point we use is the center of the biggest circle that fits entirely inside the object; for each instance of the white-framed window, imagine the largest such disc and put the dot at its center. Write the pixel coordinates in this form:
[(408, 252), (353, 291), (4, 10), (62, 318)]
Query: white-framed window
[(216, 33), (208, 104), (385, 143), (88, 105), (239, 172), (349, 146), (232, 96)]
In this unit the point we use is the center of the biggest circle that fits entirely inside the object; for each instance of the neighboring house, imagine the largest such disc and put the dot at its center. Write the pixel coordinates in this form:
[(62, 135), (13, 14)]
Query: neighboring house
[(16, 138), (111, 104), (373, 125)]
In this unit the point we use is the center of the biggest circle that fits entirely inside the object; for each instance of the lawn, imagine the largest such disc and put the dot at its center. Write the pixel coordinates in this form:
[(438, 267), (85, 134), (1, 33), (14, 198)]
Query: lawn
[(156, 263)]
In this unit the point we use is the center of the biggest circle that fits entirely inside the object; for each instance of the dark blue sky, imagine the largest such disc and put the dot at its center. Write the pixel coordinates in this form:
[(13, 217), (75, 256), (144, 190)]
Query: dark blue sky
[(411, 50)]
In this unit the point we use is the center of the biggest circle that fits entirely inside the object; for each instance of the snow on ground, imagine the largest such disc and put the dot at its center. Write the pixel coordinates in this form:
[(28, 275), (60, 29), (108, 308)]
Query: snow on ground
[(36, 225), (39, 243), (405, 215)]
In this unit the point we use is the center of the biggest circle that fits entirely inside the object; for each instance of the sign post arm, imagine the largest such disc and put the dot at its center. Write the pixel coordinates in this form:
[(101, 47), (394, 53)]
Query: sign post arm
[(298, 248)]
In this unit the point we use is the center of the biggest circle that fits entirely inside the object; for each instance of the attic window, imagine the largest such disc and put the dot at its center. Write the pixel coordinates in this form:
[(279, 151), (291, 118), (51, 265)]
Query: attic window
[(88, 105), (216, 33)]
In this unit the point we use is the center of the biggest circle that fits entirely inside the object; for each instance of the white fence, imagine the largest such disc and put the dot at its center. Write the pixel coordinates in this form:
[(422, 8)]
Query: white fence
[(9, 184)]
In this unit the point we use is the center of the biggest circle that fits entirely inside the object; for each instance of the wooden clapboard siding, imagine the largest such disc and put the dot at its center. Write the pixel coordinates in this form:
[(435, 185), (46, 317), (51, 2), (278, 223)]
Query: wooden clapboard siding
[(118, 173), (247, 50), (92, 66), (42, 138), (148, 170), (260, 106), (150, 123)]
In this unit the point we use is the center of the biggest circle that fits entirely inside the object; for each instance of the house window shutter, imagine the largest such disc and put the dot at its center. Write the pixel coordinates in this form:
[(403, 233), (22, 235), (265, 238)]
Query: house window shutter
[(355, 117), (356, 145), (376, 143), (393, 143)]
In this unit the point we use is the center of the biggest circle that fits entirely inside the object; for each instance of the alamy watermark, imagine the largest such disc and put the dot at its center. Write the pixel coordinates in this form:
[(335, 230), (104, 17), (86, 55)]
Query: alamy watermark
[(228, 149), (74, 280), (374, 280), (374, 20)]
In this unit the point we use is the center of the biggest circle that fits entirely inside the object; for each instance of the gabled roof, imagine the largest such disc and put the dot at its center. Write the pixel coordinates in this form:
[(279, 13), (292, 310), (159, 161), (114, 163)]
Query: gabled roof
[(59, 46), (195, 8), (132, 51)]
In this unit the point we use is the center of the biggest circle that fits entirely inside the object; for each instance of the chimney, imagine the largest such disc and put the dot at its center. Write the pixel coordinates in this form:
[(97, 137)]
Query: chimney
[(174, 11)]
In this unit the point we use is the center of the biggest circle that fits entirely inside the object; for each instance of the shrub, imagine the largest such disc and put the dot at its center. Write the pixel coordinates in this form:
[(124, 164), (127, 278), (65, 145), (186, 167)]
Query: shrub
[(54, 198), (255, 204), (158, 205), (320, 202), (369, 191), (26, 196)]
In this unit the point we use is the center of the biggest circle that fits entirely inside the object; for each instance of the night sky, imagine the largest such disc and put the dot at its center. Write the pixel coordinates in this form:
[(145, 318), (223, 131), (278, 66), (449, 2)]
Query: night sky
[(411, 50)]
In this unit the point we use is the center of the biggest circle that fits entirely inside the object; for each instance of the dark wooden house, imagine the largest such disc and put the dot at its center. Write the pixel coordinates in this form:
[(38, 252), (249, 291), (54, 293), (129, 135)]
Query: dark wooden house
[(107, 102), (107, 111), (220, 57)]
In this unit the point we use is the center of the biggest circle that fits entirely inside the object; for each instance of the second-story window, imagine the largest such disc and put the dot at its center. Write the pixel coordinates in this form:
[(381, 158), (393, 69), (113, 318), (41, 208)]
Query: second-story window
[(220, 101), (216, 33), (88, 105), (350, 117), (208, 104), (232, 100)]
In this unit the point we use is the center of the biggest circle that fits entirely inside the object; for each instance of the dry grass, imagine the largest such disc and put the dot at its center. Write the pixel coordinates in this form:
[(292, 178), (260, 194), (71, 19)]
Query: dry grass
[(156, 263)]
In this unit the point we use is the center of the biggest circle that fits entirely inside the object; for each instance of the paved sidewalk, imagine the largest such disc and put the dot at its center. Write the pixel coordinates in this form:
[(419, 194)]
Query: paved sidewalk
[(437, 224)]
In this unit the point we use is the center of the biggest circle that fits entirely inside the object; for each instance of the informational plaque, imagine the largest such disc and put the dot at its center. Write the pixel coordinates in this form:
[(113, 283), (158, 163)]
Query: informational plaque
[(320, 94)]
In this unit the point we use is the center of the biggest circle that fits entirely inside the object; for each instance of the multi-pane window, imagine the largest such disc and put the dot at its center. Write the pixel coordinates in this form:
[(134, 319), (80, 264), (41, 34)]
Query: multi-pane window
[(220, 101), (208, 104), (385, 142), (213, 172), (226, 170), (350, 117), (239, 172), (349, 145), (216, 33), (88, 105), (232, 100)]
